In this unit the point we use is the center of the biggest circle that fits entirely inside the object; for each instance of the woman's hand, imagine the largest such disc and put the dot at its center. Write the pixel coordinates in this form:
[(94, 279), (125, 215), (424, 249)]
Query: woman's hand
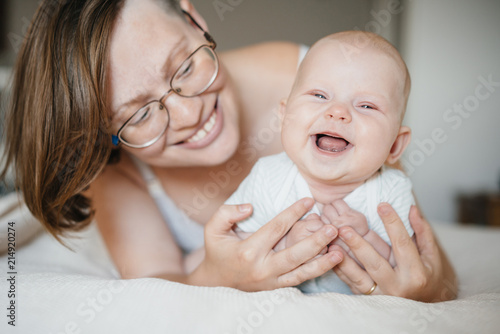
[(422, 271), (252, 264)]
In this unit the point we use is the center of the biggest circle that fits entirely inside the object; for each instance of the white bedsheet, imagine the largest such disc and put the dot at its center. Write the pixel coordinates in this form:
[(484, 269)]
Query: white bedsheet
[(60, 291)]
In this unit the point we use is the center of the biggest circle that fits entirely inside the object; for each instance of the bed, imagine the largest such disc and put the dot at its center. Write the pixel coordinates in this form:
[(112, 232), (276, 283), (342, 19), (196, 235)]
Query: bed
[(62, 291)]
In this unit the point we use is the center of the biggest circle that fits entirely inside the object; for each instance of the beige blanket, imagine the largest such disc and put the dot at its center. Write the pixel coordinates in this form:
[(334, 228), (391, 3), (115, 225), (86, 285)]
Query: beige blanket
[(60, 291)]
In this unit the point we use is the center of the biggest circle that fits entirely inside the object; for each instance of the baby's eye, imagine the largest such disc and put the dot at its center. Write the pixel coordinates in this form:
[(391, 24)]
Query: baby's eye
[(319, 95), (368, 106)]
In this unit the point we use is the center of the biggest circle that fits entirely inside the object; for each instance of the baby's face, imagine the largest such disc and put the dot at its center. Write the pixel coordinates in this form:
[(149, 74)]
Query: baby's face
[(344, 113)]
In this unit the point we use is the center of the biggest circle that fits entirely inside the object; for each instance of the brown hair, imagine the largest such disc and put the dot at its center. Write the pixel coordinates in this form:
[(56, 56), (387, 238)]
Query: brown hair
[(57, 137)]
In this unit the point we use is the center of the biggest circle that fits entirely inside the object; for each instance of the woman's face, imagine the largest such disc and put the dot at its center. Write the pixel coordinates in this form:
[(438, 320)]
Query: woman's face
[(147, 47)]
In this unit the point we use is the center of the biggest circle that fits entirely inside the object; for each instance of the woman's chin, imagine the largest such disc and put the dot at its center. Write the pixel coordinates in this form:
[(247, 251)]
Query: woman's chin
[(223, 148), (219, 152)]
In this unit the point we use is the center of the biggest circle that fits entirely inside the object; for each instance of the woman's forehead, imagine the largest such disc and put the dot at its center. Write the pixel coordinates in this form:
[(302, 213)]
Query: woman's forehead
[(143, 18), (141, 52)]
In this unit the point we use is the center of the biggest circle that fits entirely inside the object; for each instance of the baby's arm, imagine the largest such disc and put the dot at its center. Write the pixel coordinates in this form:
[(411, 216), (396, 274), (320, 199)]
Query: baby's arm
[(340, 214)]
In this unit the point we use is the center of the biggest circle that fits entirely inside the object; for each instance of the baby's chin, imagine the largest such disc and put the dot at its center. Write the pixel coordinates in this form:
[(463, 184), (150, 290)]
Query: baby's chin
[(328, 177)]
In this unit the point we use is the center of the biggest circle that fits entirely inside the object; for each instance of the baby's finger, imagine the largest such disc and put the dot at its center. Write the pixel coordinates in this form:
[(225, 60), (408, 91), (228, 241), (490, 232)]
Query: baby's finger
[(339, 222), (313, 225), (312, 216), (330, 212), (325, 220), (341, 206)]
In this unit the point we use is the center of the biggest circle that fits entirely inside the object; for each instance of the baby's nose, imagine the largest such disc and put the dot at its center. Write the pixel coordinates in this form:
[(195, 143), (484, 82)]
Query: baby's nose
[(338, 111)]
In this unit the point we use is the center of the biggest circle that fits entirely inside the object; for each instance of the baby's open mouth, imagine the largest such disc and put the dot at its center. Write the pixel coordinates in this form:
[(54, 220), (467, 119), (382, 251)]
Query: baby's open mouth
[(331, 143)]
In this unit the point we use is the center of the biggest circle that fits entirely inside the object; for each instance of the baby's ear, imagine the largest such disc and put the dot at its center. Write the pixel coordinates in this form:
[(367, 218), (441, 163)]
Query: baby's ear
[(399, 145)]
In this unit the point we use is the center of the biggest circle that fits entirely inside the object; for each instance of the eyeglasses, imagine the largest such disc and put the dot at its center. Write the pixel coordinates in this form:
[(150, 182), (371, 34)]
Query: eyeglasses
[(193, 77)]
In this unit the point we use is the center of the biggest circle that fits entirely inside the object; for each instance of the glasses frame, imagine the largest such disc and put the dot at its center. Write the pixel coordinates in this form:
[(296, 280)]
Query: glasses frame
[(117, 139)]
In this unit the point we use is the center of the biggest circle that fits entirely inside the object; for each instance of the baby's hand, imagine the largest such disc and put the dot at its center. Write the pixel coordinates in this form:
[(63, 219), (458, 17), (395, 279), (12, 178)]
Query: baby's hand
[(340, 214), (302, 229)]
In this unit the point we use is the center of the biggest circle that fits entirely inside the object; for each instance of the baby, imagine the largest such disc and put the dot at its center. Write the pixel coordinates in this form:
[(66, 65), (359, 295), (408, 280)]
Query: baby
[(341, 130)]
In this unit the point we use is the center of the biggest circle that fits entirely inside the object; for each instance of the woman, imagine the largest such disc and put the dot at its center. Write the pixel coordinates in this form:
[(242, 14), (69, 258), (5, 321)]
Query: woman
[(139, 79)]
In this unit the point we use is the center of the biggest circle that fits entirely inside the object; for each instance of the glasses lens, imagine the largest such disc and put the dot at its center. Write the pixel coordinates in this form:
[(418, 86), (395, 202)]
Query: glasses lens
[(146, 126), (196, 73)]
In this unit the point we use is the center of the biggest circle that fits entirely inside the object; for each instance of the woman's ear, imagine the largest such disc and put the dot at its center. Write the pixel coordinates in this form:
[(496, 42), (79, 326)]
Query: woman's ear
[(187, 6), (399, 145), (282, 109), (281, 112)]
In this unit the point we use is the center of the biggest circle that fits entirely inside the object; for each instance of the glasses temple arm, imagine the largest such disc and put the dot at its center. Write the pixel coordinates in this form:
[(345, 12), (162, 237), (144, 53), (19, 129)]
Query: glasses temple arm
[(208, 37)]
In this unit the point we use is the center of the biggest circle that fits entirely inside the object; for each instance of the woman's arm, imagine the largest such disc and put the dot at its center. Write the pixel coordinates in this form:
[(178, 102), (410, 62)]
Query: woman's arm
[(133, 229), (141, 245), (422, 271)]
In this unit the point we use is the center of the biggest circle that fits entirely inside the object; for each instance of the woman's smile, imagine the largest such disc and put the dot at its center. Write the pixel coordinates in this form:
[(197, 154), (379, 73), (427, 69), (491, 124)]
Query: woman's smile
[(207, 132)]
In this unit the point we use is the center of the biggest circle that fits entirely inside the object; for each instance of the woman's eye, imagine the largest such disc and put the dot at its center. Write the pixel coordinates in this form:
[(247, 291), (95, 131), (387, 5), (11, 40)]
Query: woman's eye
[(185, 70), (141, 117)]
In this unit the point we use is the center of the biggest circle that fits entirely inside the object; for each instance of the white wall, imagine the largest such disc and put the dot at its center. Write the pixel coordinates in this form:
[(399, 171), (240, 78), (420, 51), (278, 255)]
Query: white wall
[(236, 23), (4, 77), (449, 46), (17, 18)]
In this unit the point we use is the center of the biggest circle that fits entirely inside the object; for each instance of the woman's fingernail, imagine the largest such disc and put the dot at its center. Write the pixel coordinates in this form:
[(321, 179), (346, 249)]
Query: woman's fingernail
[(308, 203), (383, 209), (418, 211), (244, 208), (330, 231), (346, 234), (336, 257)]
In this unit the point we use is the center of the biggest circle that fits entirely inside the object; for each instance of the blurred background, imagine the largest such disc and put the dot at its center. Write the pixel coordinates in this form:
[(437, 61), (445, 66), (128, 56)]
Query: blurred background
[(452, 50)]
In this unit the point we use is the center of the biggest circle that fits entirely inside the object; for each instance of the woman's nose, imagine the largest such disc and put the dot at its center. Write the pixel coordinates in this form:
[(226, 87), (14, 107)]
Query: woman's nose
[(185, 112), (338, 111)]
